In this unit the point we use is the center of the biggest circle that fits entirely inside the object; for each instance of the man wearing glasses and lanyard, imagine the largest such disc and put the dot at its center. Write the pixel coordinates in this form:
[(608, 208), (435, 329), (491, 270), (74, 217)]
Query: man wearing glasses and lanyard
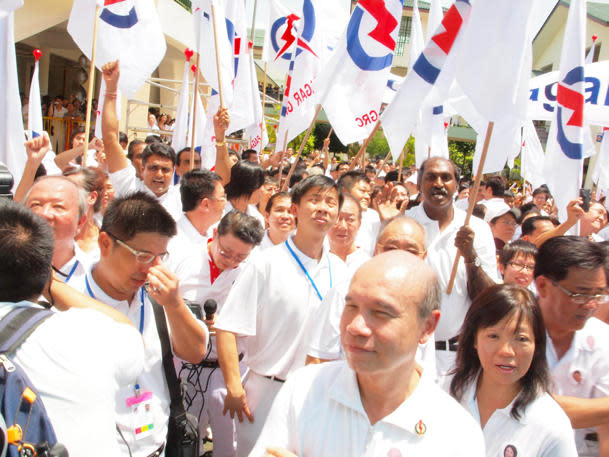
[(273, 303), (133, 242), (571, 280)]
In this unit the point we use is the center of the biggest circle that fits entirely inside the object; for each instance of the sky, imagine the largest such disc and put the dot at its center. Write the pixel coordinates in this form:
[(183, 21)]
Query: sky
[(541, 9)]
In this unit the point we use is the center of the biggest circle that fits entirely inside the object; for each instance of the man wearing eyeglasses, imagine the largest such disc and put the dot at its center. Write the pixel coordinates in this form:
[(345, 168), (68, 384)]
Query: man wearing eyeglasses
[(133, 243), (571, 279)]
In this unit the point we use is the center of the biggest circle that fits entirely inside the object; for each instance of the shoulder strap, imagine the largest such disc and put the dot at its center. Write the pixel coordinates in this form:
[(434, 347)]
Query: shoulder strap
[(176, 407), (18, 324)]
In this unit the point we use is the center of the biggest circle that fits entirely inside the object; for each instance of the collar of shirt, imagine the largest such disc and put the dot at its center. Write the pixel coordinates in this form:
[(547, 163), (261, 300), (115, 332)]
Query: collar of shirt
[(305, 259), (432, 227), (583, 341), (214, 271), (103, 297), (189, 231)]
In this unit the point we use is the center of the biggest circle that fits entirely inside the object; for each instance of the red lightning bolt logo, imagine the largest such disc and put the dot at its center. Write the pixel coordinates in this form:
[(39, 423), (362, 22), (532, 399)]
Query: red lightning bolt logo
[(573, 100), (289, 37), (112, 2), (385, 22)]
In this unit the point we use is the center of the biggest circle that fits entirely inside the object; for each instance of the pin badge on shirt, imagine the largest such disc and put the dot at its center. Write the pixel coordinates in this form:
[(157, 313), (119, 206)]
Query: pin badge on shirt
[(420, 428), (577, 376)]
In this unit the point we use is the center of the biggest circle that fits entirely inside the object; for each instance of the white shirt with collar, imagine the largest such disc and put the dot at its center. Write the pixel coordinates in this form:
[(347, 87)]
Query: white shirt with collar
[(368, 231), (272, 303), (543, 430), (125, 182), (74, 270), (152, 378), (78, 360), (441, 254), (584, 369), (318, 412)]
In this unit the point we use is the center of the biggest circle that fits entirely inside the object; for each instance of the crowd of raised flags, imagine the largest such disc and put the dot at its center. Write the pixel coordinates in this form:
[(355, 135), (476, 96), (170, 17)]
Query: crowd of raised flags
[(475, 63)]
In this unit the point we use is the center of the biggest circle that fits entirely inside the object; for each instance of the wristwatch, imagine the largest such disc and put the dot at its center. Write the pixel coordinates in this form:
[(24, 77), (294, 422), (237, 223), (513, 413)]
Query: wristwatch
[(476, 262)]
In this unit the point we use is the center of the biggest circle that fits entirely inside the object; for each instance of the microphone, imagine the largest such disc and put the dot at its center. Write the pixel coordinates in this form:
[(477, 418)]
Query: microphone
[(210, 306)]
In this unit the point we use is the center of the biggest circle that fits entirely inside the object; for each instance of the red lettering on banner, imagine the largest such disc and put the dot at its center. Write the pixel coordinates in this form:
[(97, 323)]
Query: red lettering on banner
[(308, 90), (367, 118), (297, 97), (290, 108)]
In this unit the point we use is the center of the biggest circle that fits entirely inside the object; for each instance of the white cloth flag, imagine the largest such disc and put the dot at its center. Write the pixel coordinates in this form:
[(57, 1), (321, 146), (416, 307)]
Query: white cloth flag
[(600, 175), (208, 154), (12, 151), (532, 156), (101, 99), (254, 131), (564, 150), (590, 56), (434, 19), (417, 42), (391, 88), (351, 85), (181, 125), (300, 102), (204, 32), (400, 117), (129, 31), (278, 38), (34, 117)]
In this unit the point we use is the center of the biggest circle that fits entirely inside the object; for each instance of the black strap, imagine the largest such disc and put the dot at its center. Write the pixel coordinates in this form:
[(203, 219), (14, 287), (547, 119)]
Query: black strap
[(18, 324), (176, 407)]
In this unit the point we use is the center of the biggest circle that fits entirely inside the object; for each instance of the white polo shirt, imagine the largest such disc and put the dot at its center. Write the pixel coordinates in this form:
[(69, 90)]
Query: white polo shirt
[(325, 333), (78, 360), (125, 182), (356, 259), (74, 270), (273, 302), (584, 370), (368, 231), (543, 430), (152, 378), (441, 254), (318, 412)]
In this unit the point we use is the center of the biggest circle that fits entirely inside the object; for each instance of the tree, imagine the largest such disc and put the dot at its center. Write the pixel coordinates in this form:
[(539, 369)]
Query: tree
[(321, 131), (309, 145), (462, 153)]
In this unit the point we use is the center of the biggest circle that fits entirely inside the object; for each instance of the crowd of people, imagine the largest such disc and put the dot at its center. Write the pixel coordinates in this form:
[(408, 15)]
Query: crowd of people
[(306, 302)]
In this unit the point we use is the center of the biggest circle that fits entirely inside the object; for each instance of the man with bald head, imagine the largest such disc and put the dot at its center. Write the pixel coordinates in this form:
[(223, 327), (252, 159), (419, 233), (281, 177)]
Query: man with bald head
[(398, 233), (377, 401), (62, 204)]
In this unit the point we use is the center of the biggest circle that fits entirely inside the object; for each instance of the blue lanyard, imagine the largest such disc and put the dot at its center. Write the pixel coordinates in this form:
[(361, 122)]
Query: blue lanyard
[(141, 299), (302, 267), (71, 272)]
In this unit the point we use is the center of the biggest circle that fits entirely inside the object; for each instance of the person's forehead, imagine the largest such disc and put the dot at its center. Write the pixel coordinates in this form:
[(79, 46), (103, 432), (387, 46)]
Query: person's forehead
[(523, 258), (234, 244), (282, 202), (158, 160), (349, 207), (54, 189), (438, 166), (403, 231), (321, 191)]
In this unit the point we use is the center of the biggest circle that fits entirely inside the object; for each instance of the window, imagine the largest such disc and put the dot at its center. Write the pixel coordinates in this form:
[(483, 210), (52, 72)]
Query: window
[(404, 35)]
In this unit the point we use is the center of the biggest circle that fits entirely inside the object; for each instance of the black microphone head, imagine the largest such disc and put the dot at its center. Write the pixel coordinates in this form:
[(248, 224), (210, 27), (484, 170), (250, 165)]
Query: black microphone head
[(210, 306)]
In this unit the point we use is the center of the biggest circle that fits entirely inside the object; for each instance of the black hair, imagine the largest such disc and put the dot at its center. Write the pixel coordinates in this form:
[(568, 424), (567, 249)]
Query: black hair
[(246, 228), (350, 179), (542, 190), (26, 252), (159, 149), (179, 154), (122, 137), (234, 153), (320, 181), (195, 186), (561, 253), (135, 213), (298, 175), (392, 175), (528, 226), (455, 169), (269, 204), (497, 185), (245, 155), (131, 147), (488, 308), (348, 196), (245, 178), (515, 248), (152, 139), (76, 131)]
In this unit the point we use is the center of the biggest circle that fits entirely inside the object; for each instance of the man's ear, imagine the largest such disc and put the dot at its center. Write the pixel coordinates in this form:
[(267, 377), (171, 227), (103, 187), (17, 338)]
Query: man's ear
[(429, 326), (543, 286), (294, 209), (105, 244)]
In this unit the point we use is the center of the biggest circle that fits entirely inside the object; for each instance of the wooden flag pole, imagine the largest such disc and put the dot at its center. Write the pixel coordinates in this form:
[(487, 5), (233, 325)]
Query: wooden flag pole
[(472, 201), (304, 141), (364, 145), (378, 172), (195, 95), (330, 133), (266, 65), (281, 151), (90, 89), (213, 18)]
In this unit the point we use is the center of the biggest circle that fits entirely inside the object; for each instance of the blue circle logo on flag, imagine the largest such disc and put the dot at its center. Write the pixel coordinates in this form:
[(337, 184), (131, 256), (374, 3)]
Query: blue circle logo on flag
[(288, 35), (115, 19), (570, 113), (381, 34)]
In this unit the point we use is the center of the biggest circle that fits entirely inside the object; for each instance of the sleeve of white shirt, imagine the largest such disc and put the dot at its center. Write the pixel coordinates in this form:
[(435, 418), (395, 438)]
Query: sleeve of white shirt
[(123, 180), (325, 335), (239, 313)]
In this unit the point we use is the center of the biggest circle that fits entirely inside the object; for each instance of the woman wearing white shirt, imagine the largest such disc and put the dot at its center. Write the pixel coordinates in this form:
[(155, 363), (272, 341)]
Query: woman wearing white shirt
[(502, 376), (280, 220), (342, 234)]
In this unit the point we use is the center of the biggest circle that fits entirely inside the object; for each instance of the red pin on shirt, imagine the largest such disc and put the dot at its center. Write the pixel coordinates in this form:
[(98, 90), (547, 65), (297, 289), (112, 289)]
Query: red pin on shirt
[(37, 53), (188, 53)]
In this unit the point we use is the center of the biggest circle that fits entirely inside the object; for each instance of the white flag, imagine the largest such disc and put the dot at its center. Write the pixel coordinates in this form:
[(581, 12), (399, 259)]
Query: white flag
[(531, 160), (34, 117), (258, 128), (208, 154), (563, 165), (278, 37), (417, 42), (600, 174), (101, 99), (434, 19), (12, 151), (181, 125), (129, 31)]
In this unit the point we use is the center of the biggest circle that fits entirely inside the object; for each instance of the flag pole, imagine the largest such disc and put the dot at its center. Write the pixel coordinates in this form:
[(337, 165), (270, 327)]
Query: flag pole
[(472, 201), (378, 172), (266, 65), (281, 151), (195, 95), (213, 18), (90, 89), (304, 141), (364, 146)]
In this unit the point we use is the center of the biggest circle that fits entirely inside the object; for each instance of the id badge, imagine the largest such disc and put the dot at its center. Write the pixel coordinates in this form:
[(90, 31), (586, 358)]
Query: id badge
[(141, 414)]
